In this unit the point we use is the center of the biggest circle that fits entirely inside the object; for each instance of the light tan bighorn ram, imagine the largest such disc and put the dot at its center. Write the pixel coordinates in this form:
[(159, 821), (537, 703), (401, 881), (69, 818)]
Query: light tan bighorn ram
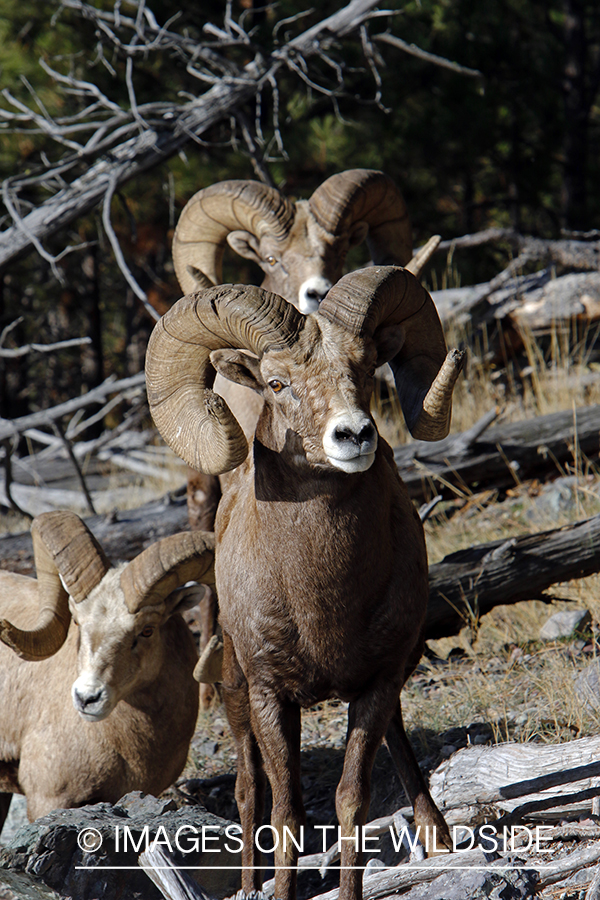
[(126, 663), (321, 566)]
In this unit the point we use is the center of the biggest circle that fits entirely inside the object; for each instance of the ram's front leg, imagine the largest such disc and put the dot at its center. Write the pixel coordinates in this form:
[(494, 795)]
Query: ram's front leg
[(250, 781), (368, 718), (277, 728)]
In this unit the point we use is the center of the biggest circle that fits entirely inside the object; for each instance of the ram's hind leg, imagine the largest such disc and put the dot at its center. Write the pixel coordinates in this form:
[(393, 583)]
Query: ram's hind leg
[(433, 832), (250, 782), (4, 806)]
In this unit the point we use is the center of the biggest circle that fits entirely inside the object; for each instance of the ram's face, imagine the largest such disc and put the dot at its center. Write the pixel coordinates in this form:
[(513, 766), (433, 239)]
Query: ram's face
[(118, 651), (317, 396)]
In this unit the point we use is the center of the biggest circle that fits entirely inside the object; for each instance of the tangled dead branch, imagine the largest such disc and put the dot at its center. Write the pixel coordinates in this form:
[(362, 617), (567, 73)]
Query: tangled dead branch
[(106, 144)]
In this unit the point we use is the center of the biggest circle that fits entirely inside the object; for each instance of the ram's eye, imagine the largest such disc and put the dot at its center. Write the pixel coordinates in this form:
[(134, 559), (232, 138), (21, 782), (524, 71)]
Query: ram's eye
[(276, 385), (147, 632), (271, 260)]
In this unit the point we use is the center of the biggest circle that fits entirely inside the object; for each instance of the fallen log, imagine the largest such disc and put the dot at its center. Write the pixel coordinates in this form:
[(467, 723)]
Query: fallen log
[(518, 781), (499, 455), (123, 534), (506, 571)]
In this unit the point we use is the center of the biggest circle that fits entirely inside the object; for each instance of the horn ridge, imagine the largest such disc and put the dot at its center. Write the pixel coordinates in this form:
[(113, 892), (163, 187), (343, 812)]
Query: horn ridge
[(62, 546), (161, 568), (212, 213), (370, 196), (379, 298)]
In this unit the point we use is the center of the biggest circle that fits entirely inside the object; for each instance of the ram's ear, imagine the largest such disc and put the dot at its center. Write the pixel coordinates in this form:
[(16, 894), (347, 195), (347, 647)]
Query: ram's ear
[(186, 597), (239, 367), (245, 244)]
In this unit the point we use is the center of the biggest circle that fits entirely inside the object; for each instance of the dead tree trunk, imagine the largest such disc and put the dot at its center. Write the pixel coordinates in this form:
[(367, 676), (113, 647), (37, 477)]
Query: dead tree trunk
[(479, 578), (518, 780), (500, 455)]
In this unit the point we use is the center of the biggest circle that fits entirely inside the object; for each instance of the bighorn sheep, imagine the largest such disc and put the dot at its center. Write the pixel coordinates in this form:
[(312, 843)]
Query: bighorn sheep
[(301, 248), (321, 565), (127, 663)]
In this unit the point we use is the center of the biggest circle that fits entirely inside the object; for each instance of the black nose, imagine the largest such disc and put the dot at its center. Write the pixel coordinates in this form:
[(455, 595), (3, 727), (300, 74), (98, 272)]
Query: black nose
[(366, 434), (314, 294)]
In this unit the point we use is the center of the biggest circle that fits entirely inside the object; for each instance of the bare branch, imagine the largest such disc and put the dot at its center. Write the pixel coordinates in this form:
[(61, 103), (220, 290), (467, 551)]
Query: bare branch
[(57, 427), (8, 479), (141, 294), (413, 50), (42, 348), (10, 428)]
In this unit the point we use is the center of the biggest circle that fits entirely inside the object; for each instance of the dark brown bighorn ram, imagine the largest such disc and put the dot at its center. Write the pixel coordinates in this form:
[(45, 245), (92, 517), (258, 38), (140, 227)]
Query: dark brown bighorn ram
[(321, 566), (301, 248), (127, 664)]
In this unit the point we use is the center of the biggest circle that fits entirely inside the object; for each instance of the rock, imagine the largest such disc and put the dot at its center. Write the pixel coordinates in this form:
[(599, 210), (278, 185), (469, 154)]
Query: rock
[(563, 624), (556, 498), (19, 886), (479, 885), (77, 852)]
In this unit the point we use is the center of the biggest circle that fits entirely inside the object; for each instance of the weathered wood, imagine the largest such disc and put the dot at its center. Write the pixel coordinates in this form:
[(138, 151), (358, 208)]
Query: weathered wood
[(532, 781), (123, 534), (390, 881), (506, 571), (574, 296), (573, 254), (173, 883), (499, 455)]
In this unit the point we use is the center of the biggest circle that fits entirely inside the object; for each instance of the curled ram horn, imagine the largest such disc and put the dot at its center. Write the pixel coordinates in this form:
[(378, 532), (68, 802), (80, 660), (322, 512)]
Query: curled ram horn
[(195, 422), (155, 574), (67, 558)]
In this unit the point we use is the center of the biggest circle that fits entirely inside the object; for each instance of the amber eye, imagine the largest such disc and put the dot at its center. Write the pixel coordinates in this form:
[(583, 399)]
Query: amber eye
[(147, 632), (271, 260), (276, 386)]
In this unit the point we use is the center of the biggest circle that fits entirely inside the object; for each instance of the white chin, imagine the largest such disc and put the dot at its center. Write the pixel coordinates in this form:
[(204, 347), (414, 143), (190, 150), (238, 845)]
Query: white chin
[(356, 464), (94, 717)]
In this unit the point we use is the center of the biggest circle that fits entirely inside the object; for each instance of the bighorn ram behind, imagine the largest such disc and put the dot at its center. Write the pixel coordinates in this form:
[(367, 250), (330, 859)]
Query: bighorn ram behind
[(321, 566), (301, 247), (126, 663)]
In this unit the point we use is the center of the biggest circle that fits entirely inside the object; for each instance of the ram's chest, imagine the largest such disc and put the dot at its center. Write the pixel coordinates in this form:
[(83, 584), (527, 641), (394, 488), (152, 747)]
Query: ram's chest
[(310, 592)]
